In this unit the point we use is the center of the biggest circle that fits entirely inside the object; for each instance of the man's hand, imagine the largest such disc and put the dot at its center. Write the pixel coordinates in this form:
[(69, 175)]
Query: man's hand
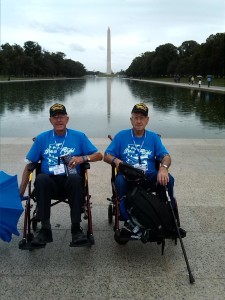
[(117, 161), (75, 160), (163, 176)]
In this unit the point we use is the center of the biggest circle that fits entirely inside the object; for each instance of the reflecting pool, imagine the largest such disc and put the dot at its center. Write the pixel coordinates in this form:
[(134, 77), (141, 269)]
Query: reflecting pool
[(102, 106)]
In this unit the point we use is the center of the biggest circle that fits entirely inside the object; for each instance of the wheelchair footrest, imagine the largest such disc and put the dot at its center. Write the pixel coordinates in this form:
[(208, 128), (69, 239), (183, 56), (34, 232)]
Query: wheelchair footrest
[(80, 245), (25, 245), (89, 242)]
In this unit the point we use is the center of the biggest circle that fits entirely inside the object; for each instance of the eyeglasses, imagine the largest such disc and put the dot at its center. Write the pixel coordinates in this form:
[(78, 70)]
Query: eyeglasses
[(138, 118), (60, 116)]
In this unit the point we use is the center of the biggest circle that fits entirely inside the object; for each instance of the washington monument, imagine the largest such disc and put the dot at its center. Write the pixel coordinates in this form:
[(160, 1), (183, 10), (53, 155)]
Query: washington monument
[(109, 70)]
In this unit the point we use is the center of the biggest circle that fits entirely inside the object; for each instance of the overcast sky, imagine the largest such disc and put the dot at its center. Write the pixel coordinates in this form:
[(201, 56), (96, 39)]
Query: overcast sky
[(78, 28)]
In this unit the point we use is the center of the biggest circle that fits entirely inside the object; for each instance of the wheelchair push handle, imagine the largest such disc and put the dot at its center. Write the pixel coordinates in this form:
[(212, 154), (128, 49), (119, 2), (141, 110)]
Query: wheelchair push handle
[(110, 137)]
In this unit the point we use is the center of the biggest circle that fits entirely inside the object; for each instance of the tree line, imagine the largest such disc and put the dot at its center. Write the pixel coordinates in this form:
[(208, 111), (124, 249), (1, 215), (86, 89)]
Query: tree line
[(190, 58), (32, 61)]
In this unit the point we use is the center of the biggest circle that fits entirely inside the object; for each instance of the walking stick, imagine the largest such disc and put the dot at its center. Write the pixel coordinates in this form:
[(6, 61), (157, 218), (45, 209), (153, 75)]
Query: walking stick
[(191, 277)]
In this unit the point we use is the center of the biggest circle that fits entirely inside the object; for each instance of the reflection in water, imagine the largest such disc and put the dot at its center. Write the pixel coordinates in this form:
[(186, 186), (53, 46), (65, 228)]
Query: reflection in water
[(18, 96), (199, 94), (109, 86), (194, 102), (102, 105), (207, 96)]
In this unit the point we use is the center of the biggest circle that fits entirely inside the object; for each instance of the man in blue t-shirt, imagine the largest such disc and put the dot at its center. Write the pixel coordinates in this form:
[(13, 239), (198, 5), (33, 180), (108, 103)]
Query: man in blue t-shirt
[(141, 148), (49, 147)]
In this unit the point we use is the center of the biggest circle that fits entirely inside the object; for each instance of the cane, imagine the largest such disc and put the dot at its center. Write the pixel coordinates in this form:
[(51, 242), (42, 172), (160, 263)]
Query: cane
[(191, 277)]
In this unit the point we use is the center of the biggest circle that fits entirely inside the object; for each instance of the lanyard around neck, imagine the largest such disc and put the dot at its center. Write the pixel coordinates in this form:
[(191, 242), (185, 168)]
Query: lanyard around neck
[(138, 151), (59, 149)]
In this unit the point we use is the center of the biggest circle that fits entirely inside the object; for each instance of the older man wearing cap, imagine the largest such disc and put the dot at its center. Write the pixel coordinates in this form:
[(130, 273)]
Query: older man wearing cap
[(140, 147), (50, 147)]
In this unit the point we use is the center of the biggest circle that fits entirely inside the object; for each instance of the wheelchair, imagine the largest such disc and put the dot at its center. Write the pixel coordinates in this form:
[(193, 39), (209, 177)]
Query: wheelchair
[(136, 178), (30, 211)]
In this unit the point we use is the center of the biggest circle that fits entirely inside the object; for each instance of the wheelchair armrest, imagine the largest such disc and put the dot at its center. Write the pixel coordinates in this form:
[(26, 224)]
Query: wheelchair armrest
[(157, 164), (32, 166), (85, 166)]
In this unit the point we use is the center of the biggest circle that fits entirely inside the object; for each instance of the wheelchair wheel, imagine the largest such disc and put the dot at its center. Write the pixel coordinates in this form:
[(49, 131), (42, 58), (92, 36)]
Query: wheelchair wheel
[(118, 239), (110, 213)]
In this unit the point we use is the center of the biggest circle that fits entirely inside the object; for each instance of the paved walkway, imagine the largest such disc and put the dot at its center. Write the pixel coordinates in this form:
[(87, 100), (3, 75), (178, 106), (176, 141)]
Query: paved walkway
[(109, 271), (204, 87)]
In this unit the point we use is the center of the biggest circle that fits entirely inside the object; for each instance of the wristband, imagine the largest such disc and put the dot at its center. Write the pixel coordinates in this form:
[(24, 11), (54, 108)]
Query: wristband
[(113, 160)]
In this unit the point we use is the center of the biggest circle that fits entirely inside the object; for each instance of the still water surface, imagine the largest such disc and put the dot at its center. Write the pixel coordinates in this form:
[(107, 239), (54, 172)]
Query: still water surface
[(101, 106)]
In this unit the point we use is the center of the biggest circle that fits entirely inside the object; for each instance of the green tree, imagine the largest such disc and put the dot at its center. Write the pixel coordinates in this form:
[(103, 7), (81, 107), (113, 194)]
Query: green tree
[(165, 60), (212, 53), (187, 49), (8, 59), (189, 58), (34, 51)]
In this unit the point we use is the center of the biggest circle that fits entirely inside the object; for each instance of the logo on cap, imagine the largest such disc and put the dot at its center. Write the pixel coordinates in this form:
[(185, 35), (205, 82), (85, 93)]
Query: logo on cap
[(140, 108), (57, 108)]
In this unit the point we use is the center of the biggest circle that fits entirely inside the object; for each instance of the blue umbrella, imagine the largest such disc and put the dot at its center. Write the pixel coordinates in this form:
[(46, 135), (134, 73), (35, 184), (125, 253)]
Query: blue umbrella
[(10, 206)]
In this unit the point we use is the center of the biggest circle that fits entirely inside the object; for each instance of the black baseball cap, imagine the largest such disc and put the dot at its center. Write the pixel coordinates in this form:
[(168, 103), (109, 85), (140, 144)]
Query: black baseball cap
[(140, 108), (57, 108)]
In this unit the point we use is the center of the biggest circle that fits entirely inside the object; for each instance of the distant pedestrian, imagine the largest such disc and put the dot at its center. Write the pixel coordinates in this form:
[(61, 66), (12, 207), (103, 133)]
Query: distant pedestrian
[(189, 80), (199, 82), (192, 80), (209, 79)]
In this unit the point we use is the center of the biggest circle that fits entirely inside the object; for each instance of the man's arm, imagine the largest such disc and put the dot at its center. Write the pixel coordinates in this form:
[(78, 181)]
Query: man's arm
[(76, 160), (163, 175), (97, 156), (25, 178), (166, 161), (110, 159)]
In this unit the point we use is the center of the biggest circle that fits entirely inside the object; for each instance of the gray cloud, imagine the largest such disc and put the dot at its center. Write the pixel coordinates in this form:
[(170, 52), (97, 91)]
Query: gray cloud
[(76, 47), (53, 28)]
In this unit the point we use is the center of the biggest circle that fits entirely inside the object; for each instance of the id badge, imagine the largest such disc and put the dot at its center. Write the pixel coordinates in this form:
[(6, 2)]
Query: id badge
[(57, 170)]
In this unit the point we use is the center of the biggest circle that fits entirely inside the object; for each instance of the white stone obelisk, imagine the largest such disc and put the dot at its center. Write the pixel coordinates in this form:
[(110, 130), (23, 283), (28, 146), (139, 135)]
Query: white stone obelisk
[(109, 70)]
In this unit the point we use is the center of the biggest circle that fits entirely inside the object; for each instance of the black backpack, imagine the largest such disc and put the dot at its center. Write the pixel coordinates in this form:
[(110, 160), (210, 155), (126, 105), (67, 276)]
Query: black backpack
[(150, 211)]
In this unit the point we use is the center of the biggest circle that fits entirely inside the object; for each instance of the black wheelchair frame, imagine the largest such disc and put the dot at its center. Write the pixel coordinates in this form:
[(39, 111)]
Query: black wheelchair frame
[(31, 220), (114, 212)]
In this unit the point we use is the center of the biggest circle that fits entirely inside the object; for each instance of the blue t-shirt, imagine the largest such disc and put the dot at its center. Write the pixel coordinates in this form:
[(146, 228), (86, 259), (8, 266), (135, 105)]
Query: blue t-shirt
[(140, 152), (48, 146)]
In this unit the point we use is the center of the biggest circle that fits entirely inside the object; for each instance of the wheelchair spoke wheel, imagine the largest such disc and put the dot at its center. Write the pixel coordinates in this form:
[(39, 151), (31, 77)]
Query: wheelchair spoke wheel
[(118, 239)]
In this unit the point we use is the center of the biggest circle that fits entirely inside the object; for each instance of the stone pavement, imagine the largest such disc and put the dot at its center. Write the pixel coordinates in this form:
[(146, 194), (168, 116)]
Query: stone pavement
[(204, 87), (110, 271)]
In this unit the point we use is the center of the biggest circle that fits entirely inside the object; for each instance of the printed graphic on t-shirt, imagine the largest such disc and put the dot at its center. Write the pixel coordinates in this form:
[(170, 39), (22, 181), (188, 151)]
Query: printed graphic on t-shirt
[(132, 155), (52, 153)]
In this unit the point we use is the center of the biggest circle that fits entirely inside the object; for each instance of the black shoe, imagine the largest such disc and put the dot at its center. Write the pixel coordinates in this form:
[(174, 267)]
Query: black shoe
[(78, 238), (44, 236)]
